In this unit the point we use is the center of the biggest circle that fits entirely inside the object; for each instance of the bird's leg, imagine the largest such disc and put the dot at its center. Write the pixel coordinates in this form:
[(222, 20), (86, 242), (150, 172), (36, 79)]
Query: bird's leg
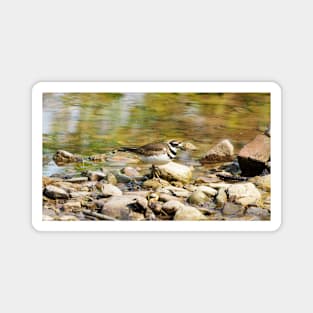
[(155, 173)]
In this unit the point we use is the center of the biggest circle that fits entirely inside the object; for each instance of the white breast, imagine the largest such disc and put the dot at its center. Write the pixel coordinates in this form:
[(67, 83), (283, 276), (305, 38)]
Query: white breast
[(156, 159)]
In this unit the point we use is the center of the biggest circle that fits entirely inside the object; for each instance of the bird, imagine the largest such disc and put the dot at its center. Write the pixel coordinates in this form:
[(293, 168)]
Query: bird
[(156, 153)]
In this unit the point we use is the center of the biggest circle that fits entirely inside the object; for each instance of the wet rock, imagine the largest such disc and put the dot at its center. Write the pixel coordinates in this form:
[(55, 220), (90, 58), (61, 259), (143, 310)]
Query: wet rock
[(77, 180), (221, 152), (130, 172), (233, 209), (155, 183), (96, 176), (244, 193), (221, 198), (122, 178), (54, 192), (209, 191), (263, 182), (253, 157), (67, 186), (62, 156), (109, 190), (198, 198), (264, 213), (72, 206), (172, 206), (98, 157), (175, 171), (137, 193), (117, 206), (188, 213)]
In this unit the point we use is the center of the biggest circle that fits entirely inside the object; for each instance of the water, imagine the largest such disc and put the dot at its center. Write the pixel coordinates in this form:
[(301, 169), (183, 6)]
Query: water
[(94, 123)]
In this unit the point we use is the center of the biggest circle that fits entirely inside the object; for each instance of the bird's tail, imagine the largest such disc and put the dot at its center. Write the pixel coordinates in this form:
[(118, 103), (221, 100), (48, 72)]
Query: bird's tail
[(129, 149)]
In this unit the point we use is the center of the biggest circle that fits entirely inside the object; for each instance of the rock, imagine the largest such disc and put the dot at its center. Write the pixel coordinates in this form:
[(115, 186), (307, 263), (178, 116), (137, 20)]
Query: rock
[(122, 178), (221, 198), (198, 197), (136, 216), (263, 182), (62, 157), (79, 194), (211, 192), (188, 213), (172, 206), (175, 171), (109, 190), (68, 218), (219, 185), (54, 192), (189, 146), (155, 183), (96, 176), (72, 206), (98, 157), (253, 157), (221, 152), (233, 209), (76, 180), (178, 192), (117, 206), (49, 180), (264, 213), (130, 172), (244, 193), (164, 197), (207, 179), (112, 179)]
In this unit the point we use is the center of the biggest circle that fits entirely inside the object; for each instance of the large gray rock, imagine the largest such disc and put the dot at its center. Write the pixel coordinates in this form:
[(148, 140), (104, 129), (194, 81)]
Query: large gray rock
[(254, 156), (54, 192), (221, 152), (244, 194), (175, 171)]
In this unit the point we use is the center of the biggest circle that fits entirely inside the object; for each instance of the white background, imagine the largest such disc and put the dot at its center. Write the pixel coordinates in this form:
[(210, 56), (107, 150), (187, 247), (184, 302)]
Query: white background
[(160, 40)]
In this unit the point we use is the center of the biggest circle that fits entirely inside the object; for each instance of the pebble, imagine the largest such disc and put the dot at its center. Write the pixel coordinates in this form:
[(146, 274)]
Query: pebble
[(96, 176), (72, 206), (221, 198)]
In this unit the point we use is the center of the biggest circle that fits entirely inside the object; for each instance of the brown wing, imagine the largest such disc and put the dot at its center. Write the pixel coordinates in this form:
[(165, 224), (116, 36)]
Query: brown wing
[(153, 148)]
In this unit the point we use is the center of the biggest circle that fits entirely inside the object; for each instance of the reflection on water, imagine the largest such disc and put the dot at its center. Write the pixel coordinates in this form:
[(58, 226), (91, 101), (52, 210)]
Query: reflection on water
[(91, 123)]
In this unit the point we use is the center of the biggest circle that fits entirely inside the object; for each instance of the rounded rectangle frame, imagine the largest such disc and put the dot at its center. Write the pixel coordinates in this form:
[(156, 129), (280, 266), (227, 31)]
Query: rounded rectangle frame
[(121, 87)]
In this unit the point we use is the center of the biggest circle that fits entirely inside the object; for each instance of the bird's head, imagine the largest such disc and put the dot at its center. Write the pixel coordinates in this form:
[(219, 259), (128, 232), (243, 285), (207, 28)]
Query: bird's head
[(176, 144)]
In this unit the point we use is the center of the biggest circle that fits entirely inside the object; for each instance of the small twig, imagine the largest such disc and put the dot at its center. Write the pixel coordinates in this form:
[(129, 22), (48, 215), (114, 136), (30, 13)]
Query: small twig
[(99, 215)]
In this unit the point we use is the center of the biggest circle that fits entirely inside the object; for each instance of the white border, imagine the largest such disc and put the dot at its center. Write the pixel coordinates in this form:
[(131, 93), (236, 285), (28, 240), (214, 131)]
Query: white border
[(43, 87)]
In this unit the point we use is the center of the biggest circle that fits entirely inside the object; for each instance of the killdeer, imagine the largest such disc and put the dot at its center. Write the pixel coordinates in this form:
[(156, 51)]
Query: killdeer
[(157, 153)]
